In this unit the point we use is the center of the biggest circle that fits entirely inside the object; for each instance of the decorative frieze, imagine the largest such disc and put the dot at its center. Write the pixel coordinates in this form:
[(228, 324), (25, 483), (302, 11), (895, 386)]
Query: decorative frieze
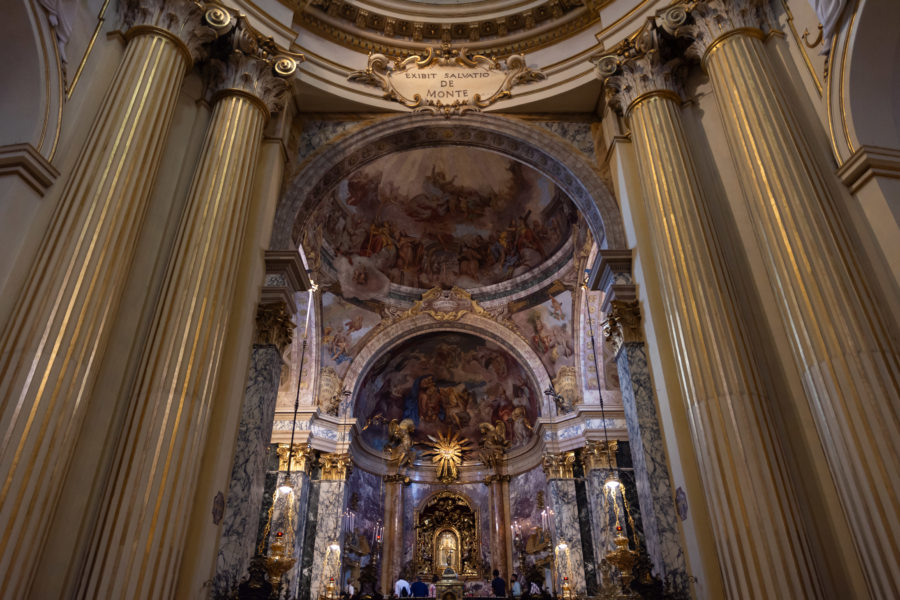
[(335, 466), (558, 465)]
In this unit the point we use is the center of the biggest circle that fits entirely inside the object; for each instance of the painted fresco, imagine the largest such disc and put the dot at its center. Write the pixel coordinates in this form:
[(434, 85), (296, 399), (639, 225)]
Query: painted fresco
[(440, 217), (344, 325), (548, 329), (447, 382)]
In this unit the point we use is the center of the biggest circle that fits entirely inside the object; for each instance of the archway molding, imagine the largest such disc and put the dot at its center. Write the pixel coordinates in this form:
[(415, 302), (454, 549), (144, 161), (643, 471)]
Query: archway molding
[(479, 326), (530, 145)]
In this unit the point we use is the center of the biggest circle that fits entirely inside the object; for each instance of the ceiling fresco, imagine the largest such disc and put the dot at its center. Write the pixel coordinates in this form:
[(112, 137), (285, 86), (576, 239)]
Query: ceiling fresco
[(447, 382), (440, 217)]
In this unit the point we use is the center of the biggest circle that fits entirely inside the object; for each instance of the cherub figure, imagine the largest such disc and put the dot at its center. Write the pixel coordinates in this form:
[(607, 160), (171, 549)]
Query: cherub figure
[(399, 446)]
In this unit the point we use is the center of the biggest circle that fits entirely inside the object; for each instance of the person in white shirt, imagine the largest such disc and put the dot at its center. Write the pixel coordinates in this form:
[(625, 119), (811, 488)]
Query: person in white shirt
[(400, 586), (516, 587)]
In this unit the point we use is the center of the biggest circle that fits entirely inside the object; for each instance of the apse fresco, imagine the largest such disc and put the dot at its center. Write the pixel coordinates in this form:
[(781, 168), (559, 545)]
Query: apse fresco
[(548, 329), (447, 382), (344, 324), (441, 217)]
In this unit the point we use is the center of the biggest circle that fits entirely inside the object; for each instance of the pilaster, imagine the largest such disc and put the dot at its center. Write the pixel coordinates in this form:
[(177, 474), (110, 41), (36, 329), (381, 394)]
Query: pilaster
[(333, 496), (564, 523)]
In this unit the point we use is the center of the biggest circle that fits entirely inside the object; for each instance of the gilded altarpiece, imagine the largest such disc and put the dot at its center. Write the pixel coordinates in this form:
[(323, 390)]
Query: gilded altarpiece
[(447, 535)]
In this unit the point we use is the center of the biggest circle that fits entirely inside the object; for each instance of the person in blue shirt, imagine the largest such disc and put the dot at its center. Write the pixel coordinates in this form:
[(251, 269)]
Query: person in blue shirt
[(419, 589), (516, 586), (498, 585)]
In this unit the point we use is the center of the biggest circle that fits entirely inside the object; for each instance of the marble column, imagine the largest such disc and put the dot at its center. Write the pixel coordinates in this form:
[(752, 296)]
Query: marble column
[(564, 524), (158, 459), (762, 549), (608, 518), (391, 555), (839, 337), (333, 493), (54, 340), (501, 543)]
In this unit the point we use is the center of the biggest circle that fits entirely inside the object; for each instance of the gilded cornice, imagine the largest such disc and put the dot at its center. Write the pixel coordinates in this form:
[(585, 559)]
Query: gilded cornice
[(377, 30), (335, 467), (300, 460), (596, 455)]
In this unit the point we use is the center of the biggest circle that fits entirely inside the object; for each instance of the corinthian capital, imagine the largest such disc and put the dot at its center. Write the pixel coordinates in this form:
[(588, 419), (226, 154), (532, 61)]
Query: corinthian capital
[(643, 65), (705, 22), (192, 23), (255, 65)]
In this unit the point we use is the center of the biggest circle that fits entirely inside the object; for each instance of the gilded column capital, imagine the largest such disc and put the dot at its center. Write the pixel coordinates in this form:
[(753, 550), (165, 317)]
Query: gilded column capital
[(188, 23), (558, 465), (707, 23), (623, 324), (596, 455), (640, 67), (300, 461), (274, 326), (253, 65), (335, 466)]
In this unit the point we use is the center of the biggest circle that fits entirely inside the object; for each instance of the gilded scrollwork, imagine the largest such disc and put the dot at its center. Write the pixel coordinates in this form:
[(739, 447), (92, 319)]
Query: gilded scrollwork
[(493, 444), (274, 326), (428, 83), (558, 465)]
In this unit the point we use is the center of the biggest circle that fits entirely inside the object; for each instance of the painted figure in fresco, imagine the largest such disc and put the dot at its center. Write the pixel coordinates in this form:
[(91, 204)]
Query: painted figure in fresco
[(429, 400), (456, 403), (521, 427), (541, 339), (556, 310)]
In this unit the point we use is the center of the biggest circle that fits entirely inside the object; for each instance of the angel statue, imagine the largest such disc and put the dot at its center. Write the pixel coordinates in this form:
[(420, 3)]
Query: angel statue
[(399, 446), (493, 443)]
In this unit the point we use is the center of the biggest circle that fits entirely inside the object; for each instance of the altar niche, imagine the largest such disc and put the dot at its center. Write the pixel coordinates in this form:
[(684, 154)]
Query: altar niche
[(447, 536)]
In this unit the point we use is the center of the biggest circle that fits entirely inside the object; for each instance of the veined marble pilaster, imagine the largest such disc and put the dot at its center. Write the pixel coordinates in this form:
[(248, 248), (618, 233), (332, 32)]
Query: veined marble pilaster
[(651, 470), (329, 535), (289, 517), (564, 523), (245, 489), (55, 337), (840, 340)]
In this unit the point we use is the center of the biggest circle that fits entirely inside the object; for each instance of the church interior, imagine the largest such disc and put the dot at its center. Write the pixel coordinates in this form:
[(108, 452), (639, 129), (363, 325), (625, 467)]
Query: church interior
[(309, 299)]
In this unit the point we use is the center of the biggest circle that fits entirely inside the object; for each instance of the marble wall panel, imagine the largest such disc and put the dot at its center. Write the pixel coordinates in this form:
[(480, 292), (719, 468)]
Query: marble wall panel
[(651, 472), (248, 472), (289, 513)]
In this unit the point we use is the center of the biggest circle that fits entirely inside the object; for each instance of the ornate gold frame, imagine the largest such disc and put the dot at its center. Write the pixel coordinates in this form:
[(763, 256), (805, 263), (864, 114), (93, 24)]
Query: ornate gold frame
[(456, 566), (473, 572)]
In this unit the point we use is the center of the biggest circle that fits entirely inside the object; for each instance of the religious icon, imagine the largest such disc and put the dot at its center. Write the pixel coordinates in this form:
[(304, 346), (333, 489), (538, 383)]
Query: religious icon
[(447, 550)]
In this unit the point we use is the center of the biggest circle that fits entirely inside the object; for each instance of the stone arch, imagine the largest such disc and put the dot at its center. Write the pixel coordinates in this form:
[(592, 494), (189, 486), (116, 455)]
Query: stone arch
[(483, 327), (530, 145), (873, 83)]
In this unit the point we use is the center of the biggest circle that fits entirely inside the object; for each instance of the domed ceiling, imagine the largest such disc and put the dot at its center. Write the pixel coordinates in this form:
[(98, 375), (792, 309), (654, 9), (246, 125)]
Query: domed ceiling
[(441, 217), (447, 382)]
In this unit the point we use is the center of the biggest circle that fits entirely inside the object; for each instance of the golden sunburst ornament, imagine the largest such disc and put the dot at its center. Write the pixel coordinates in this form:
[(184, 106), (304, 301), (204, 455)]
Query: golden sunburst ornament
[(447, 454)]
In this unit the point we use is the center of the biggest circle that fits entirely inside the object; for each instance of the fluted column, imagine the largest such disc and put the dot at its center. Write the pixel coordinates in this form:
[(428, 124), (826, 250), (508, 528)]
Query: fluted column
[(762, 551), (54, 341), (842, 348), (139, 537)]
